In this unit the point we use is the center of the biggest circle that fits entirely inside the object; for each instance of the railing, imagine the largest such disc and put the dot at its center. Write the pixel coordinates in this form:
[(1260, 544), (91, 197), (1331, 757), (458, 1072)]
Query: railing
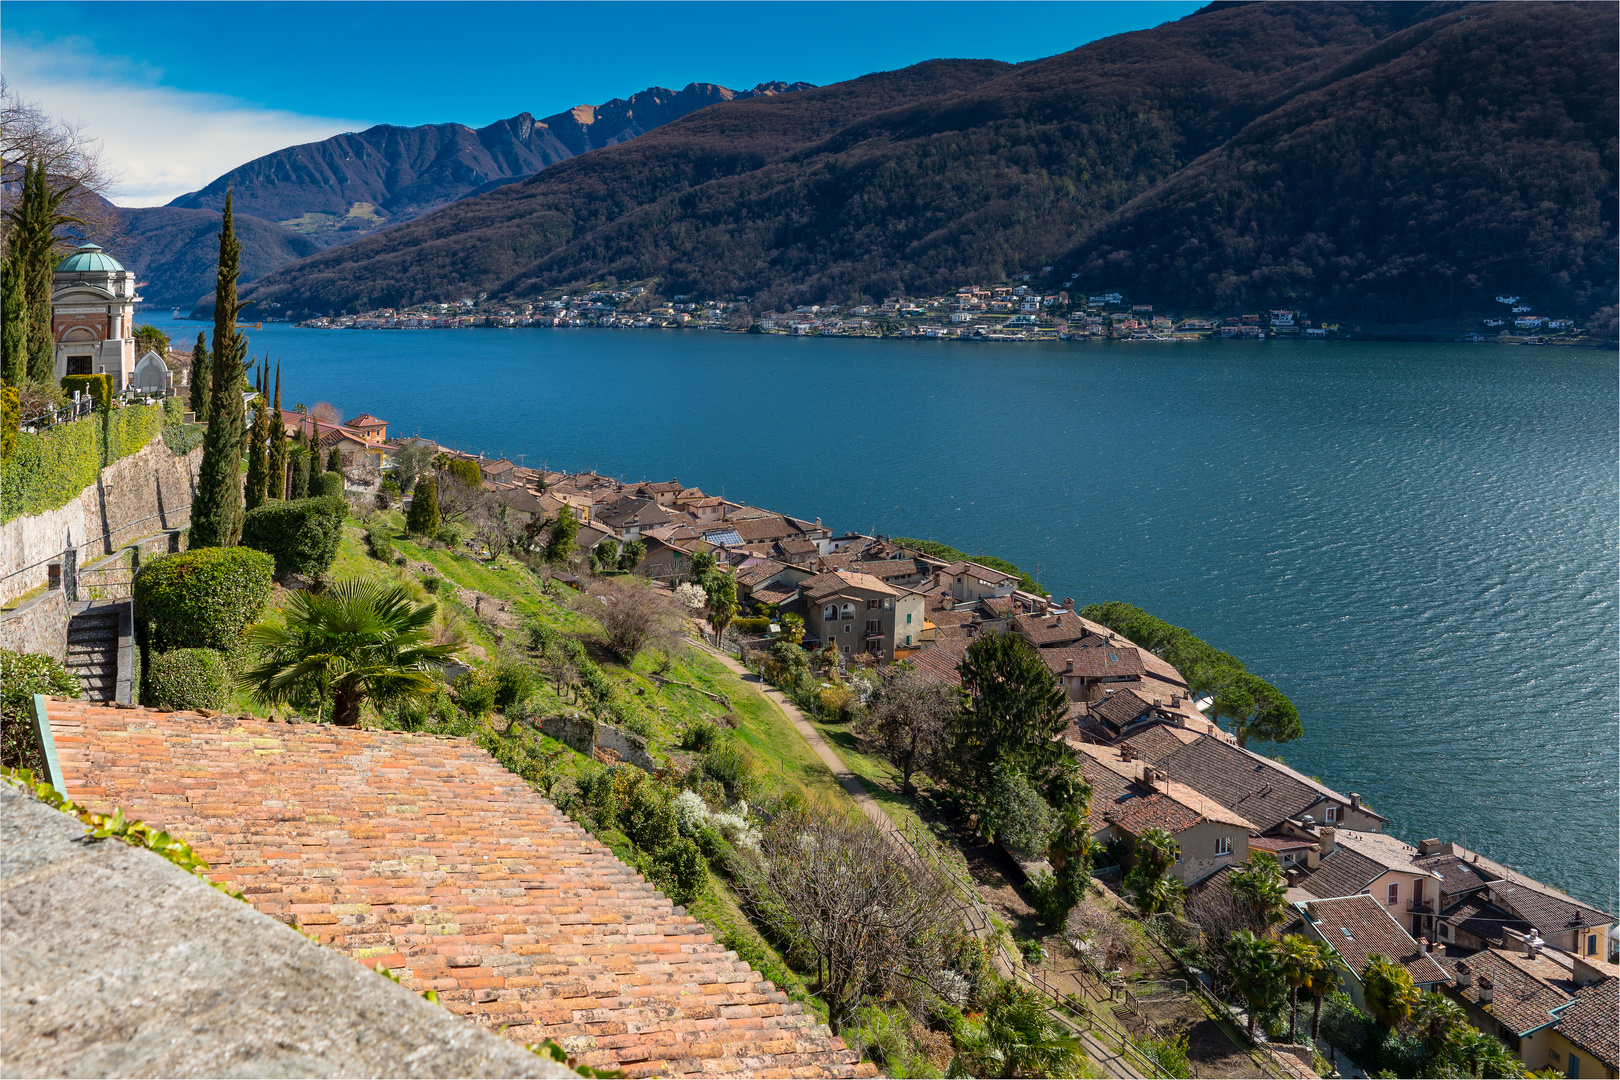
[(73, 410)]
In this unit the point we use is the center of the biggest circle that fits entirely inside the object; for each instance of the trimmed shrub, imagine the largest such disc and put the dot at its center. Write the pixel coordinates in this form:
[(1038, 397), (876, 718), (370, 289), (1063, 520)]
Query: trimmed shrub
[(299, 457), (22, 675), (330, 483), (751, 624), (10, 419), (202, 599), (47, 471), (174, 411), (302, 535), (514, 682), (98, 387), (422, 519), (188, 679)]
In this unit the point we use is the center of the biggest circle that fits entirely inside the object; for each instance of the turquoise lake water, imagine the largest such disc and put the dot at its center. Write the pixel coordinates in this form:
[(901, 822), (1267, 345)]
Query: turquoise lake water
[(1416, 542)]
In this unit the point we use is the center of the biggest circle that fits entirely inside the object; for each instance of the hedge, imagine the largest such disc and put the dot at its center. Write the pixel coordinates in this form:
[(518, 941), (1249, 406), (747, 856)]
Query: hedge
[(49, 470), (174, 411), (99, 387), (302, 535), (202, 599), (22, 675), (330, 485), (188, 679)]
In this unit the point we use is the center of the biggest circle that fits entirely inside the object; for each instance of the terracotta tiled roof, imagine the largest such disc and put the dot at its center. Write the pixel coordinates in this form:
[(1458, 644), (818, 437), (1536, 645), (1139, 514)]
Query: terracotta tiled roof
[(365, 420), (1105, 663), (1457, 875), (983, 573), (1261, 789), (1524, 991), (832, 584), (1135, 805), (1593, 1021), (1059, 628), (937, 664), (1120, 708), (761, 571), (425, 855), (754, 530), (1156, 742), (1358, 926), (1547, 909), (890, 568), (1478, 916), (1340, 873)]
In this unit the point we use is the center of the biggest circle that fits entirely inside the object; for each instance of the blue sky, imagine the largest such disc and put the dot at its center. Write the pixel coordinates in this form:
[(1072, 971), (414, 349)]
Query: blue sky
[(181, 92)]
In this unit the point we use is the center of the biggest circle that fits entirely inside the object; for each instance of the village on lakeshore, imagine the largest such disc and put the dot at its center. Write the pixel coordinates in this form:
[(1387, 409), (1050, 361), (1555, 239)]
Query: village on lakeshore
[(1007, 311)]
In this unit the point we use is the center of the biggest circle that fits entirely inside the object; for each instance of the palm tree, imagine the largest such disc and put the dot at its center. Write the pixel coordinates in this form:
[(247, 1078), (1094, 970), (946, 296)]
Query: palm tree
[(1439, 1022), (1300, 958), (1323, 981), (1483, 1054), (1262, 890), (1388, 990), (1149, 880), (356, 641), (1257, 973), (1019, 1038)]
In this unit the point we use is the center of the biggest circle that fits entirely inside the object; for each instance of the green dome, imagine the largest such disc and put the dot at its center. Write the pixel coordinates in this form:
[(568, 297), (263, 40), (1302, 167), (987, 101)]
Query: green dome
[(89, 259)]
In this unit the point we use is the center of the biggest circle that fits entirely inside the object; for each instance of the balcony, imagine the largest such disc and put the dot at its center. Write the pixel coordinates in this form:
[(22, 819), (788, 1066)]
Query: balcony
[(1420, 907)]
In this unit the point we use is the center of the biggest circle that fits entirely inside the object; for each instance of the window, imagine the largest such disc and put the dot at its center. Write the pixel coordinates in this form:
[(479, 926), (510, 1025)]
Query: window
[(1445, 931), (908, 618), (1574, 1069), (1223, 846), (872, 604), (1591, 939), (874, 626), (831, 612), (1417, 890), (78, 365), (1332, 815), (846, 630), (1394, 892), (908, 639)]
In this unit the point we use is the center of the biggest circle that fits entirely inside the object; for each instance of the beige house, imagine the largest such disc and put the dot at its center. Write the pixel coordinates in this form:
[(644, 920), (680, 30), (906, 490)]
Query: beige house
[(858, 613), (968, 581), (1128, 797), (1372, 864)]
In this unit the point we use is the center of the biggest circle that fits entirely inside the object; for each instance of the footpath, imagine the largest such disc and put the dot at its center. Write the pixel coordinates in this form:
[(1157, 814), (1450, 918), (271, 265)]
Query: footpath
[(1107, 1059)]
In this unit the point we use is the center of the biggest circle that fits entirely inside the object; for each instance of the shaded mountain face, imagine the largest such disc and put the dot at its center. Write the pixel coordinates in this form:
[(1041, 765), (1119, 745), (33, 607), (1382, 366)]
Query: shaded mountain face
[(175, 250), (1104, 163), (334, 191)]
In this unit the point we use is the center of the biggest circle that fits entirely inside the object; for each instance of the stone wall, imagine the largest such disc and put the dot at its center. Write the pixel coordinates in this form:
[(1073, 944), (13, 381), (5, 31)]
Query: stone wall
[(38, 626), (147, 492), (587, 735)]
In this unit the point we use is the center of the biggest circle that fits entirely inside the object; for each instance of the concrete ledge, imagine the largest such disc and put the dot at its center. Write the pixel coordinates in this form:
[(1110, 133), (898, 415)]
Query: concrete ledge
[(117, 963)]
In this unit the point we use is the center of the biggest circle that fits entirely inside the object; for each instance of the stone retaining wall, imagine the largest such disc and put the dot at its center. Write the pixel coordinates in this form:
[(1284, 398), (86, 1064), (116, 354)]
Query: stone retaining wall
[(38, 626), (147, 492), (586, 735)]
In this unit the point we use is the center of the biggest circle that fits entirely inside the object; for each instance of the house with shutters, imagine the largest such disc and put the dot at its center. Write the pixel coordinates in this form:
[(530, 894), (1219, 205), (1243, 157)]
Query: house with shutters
[(857, 613)]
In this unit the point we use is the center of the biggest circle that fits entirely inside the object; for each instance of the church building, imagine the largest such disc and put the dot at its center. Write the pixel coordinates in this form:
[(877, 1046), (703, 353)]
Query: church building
[(93, 317)]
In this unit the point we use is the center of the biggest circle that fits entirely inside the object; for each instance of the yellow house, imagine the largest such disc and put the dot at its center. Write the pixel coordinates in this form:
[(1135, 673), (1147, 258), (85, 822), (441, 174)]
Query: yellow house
[(1583, 1042), (1545, 1004)]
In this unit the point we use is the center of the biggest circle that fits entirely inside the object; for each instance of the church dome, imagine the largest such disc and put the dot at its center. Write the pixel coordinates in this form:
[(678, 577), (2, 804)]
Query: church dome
[(89, 259)]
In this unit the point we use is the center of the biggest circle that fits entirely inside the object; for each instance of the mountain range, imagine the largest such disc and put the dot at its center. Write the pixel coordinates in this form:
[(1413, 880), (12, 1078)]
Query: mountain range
[(1381, 161), (297, 201)]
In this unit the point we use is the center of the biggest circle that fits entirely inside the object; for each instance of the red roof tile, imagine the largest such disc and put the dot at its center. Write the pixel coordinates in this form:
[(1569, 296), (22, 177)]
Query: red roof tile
[(425, 855)]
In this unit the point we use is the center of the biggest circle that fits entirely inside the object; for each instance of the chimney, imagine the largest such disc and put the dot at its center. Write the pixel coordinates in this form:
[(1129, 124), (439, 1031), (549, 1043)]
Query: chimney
[(1428, 847), (1068, 602), (1465, 975), (1423, 944), (1355, 801), (1292, 874), (1328, 839), (1175, 701), (1313, 857), (1058, 621), (1311, 910), (1124, 751), (1487, 990)]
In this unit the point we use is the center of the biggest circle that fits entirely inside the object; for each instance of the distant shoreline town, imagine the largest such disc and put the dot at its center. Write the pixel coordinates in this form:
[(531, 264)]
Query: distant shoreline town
[(1003, 312)]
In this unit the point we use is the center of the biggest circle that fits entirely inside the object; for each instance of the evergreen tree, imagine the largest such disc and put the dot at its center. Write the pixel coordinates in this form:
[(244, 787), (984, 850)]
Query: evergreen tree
[(423, 518), (35, 220), (216, 512), (1016, 709), (202, 372), (560, 541), (13, 320), (334, 460), (299, 484), (258, 470), (278, 445)]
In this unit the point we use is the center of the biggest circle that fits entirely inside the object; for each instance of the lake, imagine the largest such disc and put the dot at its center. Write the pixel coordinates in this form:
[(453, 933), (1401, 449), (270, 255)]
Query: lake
[(1416, 542)]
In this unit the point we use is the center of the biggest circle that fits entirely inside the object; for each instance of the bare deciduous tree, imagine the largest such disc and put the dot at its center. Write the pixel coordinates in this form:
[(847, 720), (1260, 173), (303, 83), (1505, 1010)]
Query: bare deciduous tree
[(910, 719), (875, 920), (326, 412), (72, 160), (634, 616)]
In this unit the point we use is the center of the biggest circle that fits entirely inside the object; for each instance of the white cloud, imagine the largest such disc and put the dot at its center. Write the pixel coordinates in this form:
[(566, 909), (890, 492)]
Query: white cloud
[(161, 141)]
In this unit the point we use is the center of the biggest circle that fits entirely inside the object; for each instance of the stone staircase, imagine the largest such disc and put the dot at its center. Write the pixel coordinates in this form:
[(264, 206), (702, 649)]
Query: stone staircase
[(92, 650)]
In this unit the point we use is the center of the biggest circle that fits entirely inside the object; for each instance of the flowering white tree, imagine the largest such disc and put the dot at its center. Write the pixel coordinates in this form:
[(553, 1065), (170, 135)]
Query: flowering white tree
[(691, 596)]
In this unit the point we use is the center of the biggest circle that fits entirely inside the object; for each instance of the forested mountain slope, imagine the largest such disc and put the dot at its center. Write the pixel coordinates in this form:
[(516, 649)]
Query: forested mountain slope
[(1201, 162), (175, 251)]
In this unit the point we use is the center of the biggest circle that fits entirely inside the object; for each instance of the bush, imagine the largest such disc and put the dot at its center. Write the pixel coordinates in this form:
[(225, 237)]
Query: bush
[(301, 535), (1022, 820), (330, 484), (202, 599), (22, 675), (188, 679), (700, 735), (730, 764), (751, 624), (47, 471), (381, 544), (449, 535), (174, 411), (182, 439), (474, 693), (1348, 1028), (679, 870), (646, 816), (514, 682), (422, 519), (466, 471), (431, 584)]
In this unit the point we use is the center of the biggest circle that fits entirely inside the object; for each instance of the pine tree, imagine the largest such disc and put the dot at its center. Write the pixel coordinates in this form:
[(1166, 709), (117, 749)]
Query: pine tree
[(13, 321), (423, 518), (202, 372), (216, 512), (258, 470), (278, 445)]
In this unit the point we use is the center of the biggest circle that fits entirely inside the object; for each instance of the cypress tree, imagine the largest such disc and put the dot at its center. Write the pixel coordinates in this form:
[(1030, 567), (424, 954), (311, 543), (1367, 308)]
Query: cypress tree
[(278, 445), (258, 470), (314, 488), (202, 372), (423, 518), (334, 461), (13, 320), (216, 512), (35, 220), (300, 472)]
